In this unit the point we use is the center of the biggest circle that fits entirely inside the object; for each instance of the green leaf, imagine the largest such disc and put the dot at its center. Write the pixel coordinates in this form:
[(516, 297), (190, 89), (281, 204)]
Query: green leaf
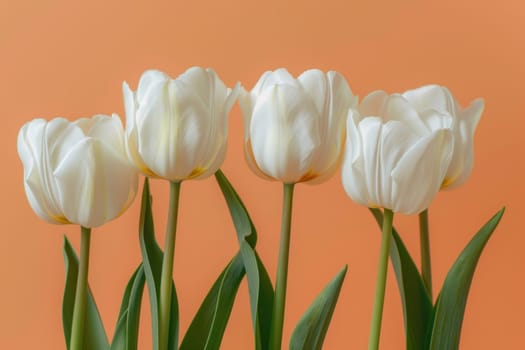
[(259, 284), (261, 295), (127, 329), (127, 292), (152, 263), (208, 325), (119, 338), (241, 219), (312, 327), (417, 306), (94, 334), (133, 312), (450, 306)]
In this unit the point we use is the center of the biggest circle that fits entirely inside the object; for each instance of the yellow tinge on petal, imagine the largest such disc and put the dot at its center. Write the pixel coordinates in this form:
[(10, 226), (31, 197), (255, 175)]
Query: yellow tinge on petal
[(146, 170), (61, 219), (446, 182), (309, 175), (196, 172)]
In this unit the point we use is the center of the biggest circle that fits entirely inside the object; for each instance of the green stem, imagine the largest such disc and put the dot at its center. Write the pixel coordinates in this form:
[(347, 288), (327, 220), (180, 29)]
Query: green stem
[(79, 309), (166, 280), (377, 314), (276, 333), (424, 242)]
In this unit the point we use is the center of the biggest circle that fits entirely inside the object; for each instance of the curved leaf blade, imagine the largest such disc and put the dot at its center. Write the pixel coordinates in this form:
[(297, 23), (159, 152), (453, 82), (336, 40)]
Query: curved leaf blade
[(133, 311), (417, 306), (207, 328), (450, 307), (241, 219), (119, 338), (94, 334), (121, 329), (311, 330), (152, 257), (259, 283)]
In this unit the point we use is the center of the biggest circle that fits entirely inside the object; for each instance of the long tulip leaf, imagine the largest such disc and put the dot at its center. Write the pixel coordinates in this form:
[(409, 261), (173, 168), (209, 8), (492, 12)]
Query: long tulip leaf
[(152, 263), (417, 306), (119, 338), (259, 284), (122, 331), (133, 311), (450, 306), (311, 330), (94, 334), (127, 292), (207, 328)]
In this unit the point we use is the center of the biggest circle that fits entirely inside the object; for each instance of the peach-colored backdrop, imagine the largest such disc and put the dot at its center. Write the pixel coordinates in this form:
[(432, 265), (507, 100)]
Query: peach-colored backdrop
[(60, 58)]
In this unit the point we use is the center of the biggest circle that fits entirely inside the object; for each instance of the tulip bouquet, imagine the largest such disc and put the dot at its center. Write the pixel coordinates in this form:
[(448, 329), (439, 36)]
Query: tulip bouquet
[(397, 152)]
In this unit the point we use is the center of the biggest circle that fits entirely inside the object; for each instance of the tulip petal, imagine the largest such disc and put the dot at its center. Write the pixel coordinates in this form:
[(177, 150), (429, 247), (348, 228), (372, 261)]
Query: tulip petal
[(171, 128), (463, 159), (148, 79), (374, 104), (104, 128), (341, 97), (30, 151), (245, 102), (284, 133), (430, 97), (264, 81), (328, 155), (131, 139), (398, 108), (353, 172), (420, 172), (93, 183), (315, 85)]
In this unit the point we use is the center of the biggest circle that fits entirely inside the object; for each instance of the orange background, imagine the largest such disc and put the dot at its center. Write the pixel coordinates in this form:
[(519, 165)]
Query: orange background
[(58, 58)]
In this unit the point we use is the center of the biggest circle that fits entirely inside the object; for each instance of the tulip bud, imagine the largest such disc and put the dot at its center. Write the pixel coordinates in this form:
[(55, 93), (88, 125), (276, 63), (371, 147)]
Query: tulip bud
[(437, 98), (177, 129), (294, 128), (391, 159), (77, 172)]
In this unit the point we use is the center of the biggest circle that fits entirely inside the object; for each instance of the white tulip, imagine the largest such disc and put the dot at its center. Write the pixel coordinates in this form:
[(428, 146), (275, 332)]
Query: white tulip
[(294, 128), (437, 98), (392, 159), (77, 172), (177, 129)]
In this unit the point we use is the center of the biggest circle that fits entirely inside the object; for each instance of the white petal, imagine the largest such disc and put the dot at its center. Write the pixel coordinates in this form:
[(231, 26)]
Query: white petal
[(264, 81), (353, 176), (463, 159), (95, 184), (435, 120), (131, 139), (231, 97), (284, 133), (172, 128), (398, 108), (341, 95), (315, 85), (374, 104), (148, 79), (332, 126), (420, 172), (245, 102), (430, 97), (29, 144)]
